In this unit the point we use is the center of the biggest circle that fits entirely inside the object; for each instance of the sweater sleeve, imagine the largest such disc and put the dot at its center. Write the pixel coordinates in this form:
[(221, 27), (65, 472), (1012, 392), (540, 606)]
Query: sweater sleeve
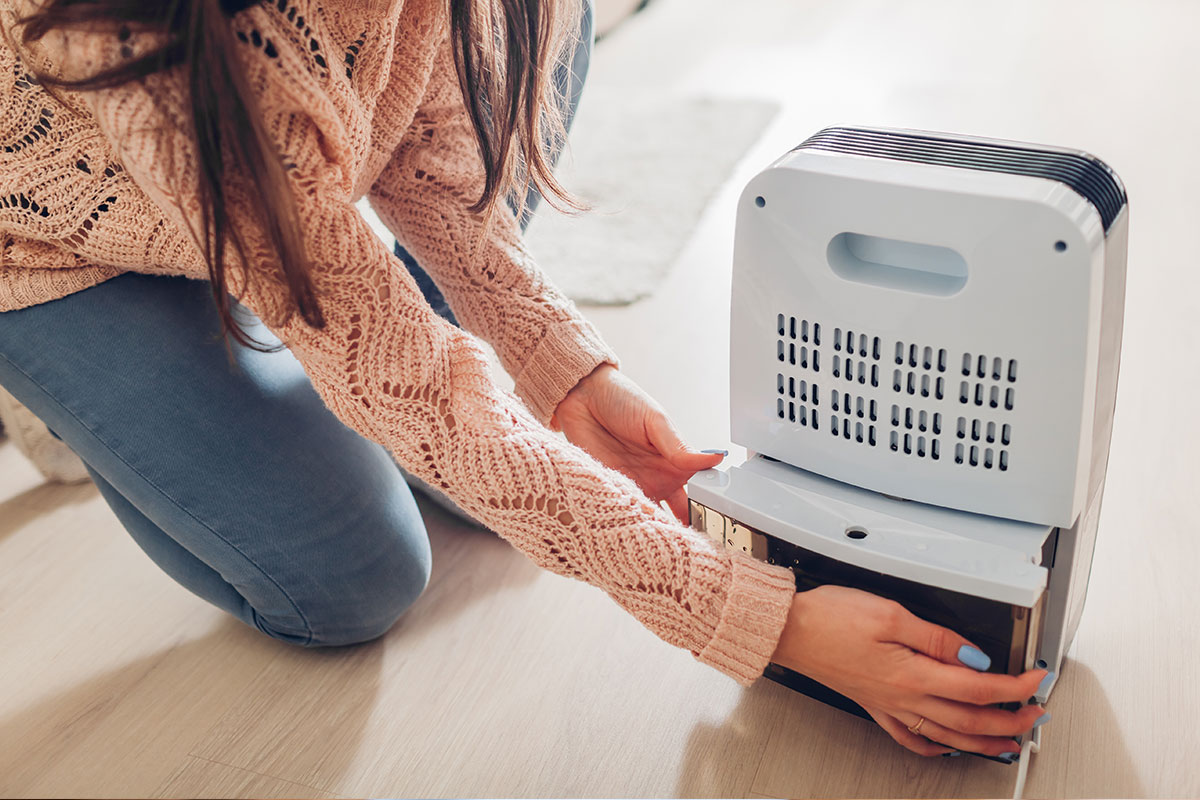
[(393, 370), (388, 367), (486, 273)]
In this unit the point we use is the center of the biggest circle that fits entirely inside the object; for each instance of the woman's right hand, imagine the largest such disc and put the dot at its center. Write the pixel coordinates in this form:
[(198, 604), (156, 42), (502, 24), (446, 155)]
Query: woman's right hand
[(901, 668)]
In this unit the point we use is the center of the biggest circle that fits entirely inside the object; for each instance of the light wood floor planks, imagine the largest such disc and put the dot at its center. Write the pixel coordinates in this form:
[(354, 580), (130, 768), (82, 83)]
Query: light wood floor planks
[(507, 681), (199, 778)]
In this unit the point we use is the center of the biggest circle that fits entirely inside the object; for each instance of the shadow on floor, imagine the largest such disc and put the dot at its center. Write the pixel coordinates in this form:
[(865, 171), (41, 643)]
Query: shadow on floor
[(125, 730), (781, 744), (20, 510)]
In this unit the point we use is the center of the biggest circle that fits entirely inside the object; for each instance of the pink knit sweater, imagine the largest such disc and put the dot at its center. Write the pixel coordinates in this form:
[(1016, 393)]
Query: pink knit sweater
[(361, 97)]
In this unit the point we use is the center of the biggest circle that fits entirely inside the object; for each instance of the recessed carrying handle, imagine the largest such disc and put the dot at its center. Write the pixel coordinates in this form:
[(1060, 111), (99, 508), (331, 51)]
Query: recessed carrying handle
[(895, 264)]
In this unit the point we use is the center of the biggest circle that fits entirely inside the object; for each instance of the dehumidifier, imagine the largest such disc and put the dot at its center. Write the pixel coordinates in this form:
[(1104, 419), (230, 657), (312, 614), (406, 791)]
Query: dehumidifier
[(925, 336)]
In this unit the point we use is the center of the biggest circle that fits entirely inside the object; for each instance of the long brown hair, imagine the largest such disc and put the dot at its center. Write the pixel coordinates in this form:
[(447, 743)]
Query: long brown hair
[(505, 52)]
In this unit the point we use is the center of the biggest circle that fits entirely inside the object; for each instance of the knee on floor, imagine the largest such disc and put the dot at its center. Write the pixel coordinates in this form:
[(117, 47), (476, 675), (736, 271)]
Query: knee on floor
[(359, 603)]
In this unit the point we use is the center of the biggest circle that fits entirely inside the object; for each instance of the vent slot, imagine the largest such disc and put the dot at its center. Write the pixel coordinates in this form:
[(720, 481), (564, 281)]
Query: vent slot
[(797, 400), (977, 443), (919, 370), (857, 414), (988, 382), (852, 430), (919, 376), (916, 431)]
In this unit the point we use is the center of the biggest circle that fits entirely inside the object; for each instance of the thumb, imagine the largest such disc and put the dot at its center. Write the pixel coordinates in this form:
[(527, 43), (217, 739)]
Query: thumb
[(941, 644), (666, 440)]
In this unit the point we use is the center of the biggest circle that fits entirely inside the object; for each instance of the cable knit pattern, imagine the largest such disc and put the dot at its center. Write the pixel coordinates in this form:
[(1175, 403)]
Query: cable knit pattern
[(362, 97)]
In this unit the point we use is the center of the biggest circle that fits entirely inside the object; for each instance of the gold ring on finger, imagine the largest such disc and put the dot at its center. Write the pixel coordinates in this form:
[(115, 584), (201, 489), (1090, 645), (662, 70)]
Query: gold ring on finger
[(917, 727)]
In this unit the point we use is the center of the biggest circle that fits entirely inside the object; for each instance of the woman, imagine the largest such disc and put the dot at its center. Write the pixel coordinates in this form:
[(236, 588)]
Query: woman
[(162, 157)]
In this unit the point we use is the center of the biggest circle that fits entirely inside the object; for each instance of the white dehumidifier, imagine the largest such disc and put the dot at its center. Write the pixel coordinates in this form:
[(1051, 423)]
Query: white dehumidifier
[(925, 337)]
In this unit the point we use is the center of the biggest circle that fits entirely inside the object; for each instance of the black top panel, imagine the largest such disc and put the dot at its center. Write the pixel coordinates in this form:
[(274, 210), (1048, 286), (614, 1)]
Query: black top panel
[(1087, 175)]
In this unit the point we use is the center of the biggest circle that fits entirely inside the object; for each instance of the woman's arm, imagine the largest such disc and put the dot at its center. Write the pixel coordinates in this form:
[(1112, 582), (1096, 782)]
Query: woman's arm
[(487, 275), (393, 370)]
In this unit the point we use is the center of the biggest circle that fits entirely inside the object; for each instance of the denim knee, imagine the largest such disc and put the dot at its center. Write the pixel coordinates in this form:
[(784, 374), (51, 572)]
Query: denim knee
[(361, 604)]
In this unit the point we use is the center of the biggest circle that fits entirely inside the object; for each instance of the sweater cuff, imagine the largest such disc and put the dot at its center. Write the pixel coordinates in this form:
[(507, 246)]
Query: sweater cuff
[(752, 620), (567, 353)]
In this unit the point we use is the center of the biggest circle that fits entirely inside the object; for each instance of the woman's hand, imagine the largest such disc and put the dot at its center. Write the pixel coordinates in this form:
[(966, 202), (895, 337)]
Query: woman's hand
[(621, 426), (901, 668)]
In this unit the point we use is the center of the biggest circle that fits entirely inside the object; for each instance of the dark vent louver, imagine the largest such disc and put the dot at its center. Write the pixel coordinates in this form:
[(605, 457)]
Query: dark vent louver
[(1087, 175)]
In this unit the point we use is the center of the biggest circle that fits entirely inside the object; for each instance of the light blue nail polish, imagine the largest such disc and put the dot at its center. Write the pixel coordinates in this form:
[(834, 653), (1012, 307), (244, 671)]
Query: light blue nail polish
[(974, 658), (952, 754), (1009, 757), (1044, 687), (715, 452), (1042, 720)]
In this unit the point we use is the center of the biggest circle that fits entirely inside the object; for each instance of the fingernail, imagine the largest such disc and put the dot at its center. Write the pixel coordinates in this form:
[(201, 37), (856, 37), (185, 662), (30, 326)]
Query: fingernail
[(1042, 720), (715, 452), (1008, 758), (952, 754), (974, 658), (1044, 687)]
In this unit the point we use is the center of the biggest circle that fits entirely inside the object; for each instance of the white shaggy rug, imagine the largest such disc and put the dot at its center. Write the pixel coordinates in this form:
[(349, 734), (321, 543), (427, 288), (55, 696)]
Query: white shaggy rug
[(648, 166)]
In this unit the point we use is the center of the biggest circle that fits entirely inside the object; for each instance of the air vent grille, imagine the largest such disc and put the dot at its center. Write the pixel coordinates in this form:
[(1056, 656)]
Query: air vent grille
[(1088, 176), (916, 396)]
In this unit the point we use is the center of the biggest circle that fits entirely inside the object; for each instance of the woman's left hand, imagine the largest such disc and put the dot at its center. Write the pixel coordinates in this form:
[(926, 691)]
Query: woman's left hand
[(610, 417)]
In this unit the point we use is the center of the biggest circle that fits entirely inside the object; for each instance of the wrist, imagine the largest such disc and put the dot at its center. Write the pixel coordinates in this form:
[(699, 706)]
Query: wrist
[(793, 630), (602, 372), (582, 388)]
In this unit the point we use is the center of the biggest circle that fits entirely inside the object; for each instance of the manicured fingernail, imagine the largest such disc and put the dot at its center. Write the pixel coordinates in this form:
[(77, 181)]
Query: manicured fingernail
[(1008, 757), (952, 754), (715, 452), (1044, 687), (974, 658), (1042, 720)]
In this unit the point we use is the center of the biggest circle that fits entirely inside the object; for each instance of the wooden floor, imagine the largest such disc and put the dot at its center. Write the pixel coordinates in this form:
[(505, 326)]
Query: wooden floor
[(507, 681)]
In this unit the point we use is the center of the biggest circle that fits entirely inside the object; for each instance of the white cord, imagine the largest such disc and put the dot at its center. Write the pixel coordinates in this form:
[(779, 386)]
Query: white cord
[(1031, 745)]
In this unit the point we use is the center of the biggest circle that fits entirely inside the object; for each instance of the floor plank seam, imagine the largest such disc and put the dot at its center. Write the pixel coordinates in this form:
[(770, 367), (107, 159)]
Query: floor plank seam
[(761, 756), (264, 775)]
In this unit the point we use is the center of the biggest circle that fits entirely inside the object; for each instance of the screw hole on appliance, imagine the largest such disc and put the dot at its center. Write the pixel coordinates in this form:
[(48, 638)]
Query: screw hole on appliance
[(1060, 246), (855, 532), (760, 201)]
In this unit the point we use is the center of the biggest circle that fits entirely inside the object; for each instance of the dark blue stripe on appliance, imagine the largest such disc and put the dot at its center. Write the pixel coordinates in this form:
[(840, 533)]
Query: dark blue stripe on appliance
[(1088, 176)]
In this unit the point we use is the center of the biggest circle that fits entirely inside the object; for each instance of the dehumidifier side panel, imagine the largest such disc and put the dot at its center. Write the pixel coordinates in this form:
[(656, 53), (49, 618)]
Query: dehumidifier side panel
[(1076, 548), (1112, 326)]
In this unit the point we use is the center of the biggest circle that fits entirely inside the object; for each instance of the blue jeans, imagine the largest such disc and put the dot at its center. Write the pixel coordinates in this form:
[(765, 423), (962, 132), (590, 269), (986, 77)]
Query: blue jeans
[(237, 481)]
